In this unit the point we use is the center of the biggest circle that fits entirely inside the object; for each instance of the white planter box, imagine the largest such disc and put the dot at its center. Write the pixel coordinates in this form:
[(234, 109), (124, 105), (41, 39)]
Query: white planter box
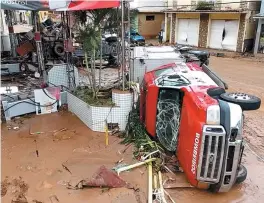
[(95, 117)]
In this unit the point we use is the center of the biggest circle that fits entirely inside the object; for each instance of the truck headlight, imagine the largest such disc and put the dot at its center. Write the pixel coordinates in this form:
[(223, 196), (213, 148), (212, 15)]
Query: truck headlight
[(213, 115)]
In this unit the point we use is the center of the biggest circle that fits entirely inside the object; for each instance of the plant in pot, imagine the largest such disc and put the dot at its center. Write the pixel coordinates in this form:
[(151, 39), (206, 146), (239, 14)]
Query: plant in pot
[(90, 28)]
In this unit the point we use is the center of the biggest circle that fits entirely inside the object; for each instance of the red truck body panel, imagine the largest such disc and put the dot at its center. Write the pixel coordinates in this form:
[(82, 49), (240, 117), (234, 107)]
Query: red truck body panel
[(193, 115)]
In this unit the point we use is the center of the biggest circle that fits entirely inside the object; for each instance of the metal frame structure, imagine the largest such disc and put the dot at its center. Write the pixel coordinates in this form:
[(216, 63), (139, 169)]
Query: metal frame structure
[(67, 40), (125, 27), (10, 16), (41, 64)]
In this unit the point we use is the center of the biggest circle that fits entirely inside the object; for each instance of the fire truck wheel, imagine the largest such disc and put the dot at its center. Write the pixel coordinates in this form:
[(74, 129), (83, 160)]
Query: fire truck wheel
[(215, 91), (242, 174), (247, 102)]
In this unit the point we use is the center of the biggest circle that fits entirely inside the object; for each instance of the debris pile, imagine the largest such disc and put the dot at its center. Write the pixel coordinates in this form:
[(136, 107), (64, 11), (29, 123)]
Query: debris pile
[(151, 153), (136, 134), (17, 187)]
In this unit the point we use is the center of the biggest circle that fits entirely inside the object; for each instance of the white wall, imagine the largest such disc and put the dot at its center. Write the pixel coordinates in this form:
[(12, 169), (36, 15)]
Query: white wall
[(262, 7), (149, 5), (4, 28), (95, 117)]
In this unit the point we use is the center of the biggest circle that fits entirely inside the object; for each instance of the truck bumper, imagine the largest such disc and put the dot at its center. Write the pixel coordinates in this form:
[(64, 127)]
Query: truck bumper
[(230, 172), (233, 150)]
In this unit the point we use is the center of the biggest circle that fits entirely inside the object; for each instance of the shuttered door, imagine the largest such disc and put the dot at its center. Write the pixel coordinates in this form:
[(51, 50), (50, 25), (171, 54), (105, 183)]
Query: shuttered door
[(231, 35), (193, 32), (224, 34), (217, 27), (188, 31)]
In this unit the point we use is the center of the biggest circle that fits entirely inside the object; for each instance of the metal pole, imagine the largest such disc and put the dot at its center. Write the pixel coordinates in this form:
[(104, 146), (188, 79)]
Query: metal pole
[(128, 16), (67, 43), (65, 35), (123, 44), (39, 46), (11, 33), (118, 44), (101, 58)]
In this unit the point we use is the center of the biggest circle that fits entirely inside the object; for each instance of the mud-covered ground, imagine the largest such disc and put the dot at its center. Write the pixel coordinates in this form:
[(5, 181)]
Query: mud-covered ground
[(42, 178), (246, 75)]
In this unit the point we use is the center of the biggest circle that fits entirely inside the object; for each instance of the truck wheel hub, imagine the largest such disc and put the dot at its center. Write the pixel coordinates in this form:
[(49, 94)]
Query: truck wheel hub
[(240, 96)]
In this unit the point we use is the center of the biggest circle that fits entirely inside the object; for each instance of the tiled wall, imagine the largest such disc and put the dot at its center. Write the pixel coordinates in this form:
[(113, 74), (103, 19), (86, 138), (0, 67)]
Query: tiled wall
[(96, 117), (57, 75)]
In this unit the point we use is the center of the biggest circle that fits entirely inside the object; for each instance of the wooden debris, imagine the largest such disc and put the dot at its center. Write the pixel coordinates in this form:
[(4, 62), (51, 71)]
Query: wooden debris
[(125, 168)]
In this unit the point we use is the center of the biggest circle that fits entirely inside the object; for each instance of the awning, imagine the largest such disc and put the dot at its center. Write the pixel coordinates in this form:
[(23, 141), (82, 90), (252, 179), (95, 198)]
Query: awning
[(58, 5), (259, 16)]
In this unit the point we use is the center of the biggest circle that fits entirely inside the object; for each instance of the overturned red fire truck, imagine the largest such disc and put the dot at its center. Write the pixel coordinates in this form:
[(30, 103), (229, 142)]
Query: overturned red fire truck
[(186, 108)]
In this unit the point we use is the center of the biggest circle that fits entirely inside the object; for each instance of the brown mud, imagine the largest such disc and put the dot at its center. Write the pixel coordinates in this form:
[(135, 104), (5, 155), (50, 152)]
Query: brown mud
[(62, 139)]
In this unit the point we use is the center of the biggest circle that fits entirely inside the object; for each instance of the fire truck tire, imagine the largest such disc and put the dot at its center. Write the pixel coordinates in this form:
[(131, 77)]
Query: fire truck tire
[(242, 174), (215, 91), (59, 49), (247, 102)]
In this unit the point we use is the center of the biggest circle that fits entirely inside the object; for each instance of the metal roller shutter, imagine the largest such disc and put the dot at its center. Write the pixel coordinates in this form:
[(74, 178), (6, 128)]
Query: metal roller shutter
[(188, 31), (223, 34)]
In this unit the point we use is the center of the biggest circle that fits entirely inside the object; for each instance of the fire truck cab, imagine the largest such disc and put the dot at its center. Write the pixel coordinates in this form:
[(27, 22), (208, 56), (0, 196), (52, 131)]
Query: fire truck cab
[(186, 109)]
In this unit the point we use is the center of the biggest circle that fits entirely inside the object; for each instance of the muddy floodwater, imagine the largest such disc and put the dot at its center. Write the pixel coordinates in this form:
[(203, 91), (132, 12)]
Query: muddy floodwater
[(35, 149)]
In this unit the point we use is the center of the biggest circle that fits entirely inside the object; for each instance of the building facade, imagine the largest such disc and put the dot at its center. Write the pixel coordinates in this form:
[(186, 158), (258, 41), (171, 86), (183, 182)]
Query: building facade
[(150, 18), (218, 24), (150, 23), (259, 41)]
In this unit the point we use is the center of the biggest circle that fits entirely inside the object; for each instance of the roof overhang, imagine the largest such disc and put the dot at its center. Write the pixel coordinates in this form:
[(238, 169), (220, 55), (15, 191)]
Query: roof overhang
[(161, 12)]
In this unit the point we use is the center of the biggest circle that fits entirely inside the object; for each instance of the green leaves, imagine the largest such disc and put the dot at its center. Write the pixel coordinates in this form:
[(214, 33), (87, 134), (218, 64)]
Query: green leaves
[(204, 5), (90, 37), (137, 134), (92, 22)]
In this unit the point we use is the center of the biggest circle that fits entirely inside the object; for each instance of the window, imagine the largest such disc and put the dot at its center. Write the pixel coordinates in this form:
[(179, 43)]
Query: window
[(150, 18)]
